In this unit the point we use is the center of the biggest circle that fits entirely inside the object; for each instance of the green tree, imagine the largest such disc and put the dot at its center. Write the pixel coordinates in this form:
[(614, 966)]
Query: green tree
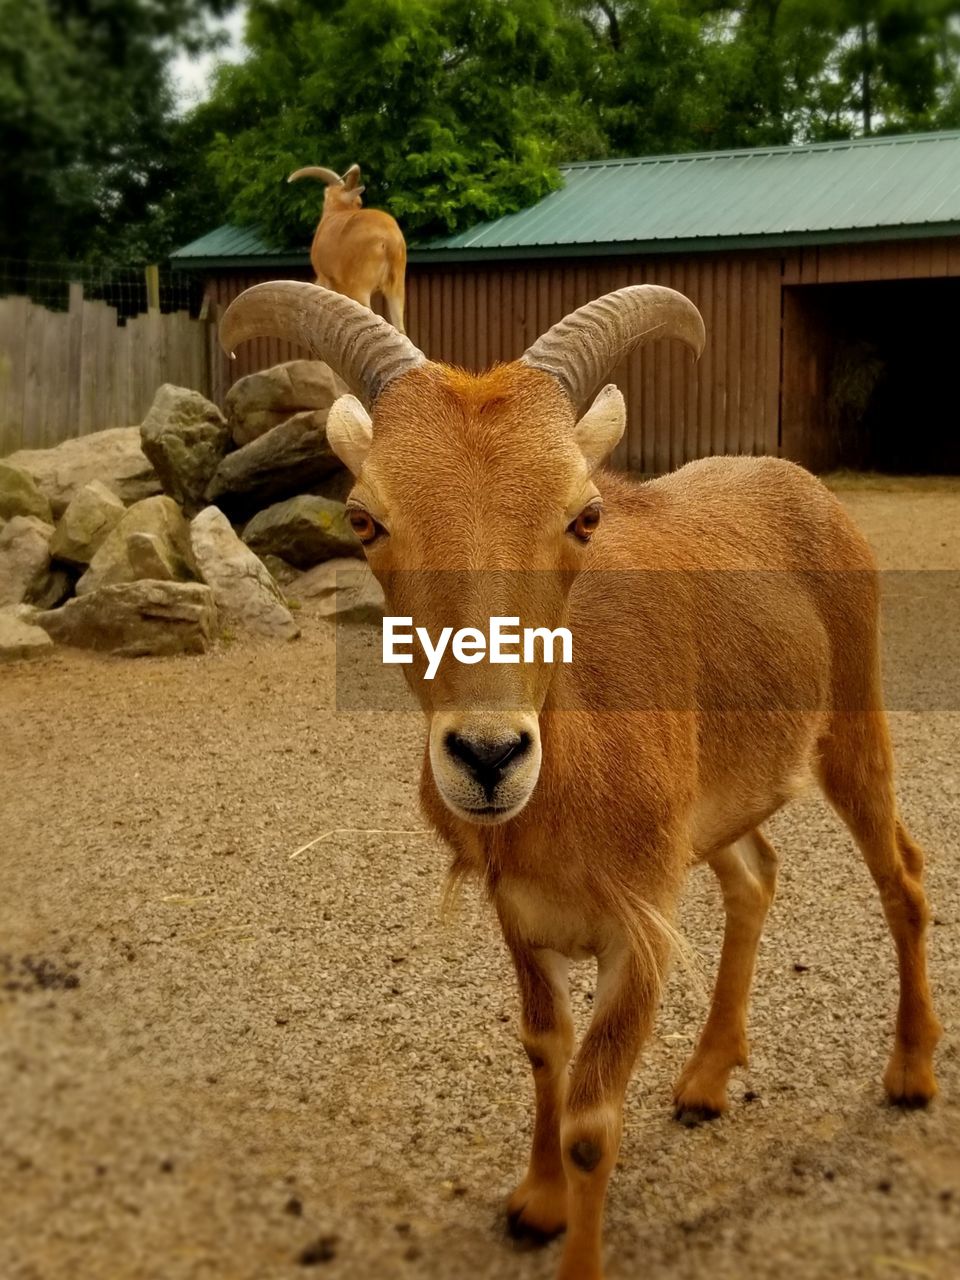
[(786, 71), (649, 78), (456, 109), (894, 67), (88, 128)]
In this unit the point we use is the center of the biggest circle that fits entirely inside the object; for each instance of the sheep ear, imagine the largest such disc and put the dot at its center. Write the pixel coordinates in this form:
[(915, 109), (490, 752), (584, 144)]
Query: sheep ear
[(599, 430), (349, 432)]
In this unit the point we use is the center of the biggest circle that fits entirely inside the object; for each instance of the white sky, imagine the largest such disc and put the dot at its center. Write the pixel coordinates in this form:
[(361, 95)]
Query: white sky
[(192, 75)]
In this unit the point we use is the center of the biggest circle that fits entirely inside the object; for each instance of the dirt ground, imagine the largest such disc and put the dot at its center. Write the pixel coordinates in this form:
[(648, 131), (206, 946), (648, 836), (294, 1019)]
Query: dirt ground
[(221, 1061)]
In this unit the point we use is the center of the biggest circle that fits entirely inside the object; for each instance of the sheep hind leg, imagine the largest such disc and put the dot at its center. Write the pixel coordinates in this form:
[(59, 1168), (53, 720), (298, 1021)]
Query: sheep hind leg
[(393, 304), (747, 872), (856, 773)]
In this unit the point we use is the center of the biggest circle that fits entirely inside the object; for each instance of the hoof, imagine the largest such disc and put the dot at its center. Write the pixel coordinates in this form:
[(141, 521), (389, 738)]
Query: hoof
[(909, 1081), (525, 1233), (537, 1214), (701, 1092), (910, 1101), (693, 1117)]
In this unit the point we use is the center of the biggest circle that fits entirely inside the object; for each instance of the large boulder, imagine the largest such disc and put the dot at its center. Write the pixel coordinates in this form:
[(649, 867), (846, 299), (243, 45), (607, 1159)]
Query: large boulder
[(24, 560), (289, 458), (246, 595), (93, 512), (336, 485), (112, 456), (137, 618), (303, 531), (343, 589), (151, 539), (19, 495), (20, 639), (184, 436), (261, 400)]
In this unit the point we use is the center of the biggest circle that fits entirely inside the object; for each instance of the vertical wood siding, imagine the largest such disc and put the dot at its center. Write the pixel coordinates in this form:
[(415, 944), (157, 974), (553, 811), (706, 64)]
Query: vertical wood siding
[(735, 400), (66, 373), (474, 315)]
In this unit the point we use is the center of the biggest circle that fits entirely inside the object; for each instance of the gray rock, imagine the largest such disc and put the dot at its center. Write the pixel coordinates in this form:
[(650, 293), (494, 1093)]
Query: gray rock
[(19, 495), (137, 618), (150, 556), (303, 531), (260, 401), (52, 590), (279, 570), (336, 485), (24, 559), (93, 512), (125, 554), (246, 595), (185, 437), (19, 639), (288, 459), (344, 589), (113, 457)]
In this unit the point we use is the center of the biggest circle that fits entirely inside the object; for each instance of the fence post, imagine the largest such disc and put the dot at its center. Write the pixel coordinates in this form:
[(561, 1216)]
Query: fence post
[(74, 363), (152, 275)]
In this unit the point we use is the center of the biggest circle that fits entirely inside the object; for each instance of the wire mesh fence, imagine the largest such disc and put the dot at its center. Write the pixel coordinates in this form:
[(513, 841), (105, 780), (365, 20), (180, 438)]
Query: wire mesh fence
[(126, 288)]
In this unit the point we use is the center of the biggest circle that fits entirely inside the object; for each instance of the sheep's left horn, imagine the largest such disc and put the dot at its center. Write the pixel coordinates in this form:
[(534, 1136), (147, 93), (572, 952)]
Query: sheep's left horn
[(351, 177), (366, 351), (316, 171), (581, 349)]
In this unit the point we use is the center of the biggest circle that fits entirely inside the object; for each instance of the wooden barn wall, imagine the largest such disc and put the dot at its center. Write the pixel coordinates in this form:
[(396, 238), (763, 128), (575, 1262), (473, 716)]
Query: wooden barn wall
[(677, 409), (473, 315), (893, 260)]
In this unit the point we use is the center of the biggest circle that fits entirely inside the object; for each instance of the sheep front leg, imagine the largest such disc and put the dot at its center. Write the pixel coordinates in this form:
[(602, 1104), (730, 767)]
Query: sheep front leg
[(628, 991), (538, 1207)]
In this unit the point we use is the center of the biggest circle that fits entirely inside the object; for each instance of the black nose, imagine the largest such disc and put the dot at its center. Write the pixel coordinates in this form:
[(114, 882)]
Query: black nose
[(488, 760)]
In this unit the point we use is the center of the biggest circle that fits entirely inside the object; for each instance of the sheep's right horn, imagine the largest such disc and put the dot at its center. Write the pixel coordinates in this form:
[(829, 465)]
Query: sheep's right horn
[(582, 348), (316, 171), (366, 351), (351, 177)]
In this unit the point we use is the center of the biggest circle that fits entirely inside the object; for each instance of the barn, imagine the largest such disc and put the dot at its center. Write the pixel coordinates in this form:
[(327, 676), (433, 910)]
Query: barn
[(828, 277)]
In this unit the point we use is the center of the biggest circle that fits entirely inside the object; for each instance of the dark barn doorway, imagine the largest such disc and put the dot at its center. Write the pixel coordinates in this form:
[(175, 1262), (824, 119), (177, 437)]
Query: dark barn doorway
[(871, 376)]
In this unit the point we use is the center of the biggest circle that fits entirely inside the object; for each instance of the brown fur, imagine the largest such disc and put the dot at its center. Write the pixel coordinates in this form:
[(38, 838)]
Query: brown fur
[(360, 252), (725, 623)]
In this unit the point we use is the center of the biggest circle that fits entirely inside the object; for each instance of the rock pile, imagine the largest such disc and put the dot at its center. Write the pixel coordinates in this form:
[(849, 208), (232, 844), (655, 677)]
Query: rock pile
[(156, 539)]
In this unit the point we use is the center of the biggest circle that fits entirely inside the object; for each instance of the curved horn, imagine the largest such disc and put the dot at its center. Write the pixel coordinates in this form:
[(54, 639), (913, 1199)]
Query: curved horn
[(581, 349), (316, 171), (360, 346), (351, 177)]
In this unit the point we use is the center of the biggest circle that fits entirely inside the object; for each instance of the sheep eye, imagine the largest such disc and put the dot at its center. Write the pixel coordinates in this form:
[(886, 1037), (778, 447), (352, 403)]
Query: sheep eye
[(586, 523), (363, 525)]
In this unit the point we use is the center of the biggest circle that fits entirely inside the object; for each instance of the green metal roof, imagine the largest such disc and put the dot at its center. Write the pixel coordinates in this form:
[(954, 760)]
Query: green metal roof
[(234, 246), (869, 189)]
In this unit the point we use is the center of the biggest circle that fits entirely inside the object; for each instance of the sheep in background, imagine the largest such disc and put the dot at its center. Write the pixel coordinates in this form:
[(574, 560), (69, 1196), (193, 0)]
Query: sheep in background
[(357, 252)]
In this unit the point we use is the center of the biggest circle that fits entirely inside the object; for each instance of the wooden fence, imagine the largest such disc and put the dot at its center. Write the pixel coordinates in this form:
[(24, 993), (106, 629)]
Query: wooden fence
[(66, 373)]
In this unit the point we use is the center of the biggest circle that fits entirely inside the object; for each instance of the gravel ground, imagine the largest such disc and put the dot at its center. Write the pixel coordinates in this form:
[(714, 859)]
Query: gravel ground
[(219, 1061)]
